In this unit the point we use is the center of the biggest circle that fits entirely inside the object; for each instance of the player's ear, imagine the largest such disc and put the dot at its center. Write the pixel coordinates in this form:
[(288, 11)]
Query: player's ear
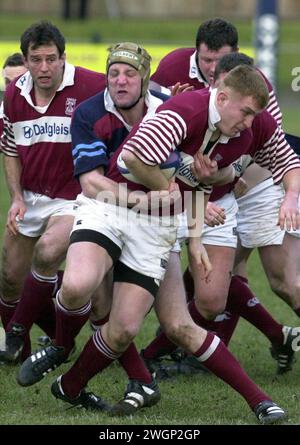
[(221, 98), (63, 57), (25, 61)]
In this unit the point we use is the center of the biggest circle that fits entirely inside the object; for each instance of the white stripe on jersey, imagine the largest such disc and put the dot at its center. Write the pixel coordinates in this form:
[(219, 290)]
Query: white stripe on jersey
[(277, 156), (273, 108), (7, 139), (157, 137), (44, 129)]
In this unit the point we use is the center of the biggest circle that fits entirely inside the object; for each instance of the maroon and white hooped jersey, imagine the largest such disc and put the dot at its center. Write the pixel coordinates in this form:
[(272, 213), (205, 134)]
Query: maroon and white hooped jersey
[(269, 149), (1, 120), (183, 122), (40, 136)]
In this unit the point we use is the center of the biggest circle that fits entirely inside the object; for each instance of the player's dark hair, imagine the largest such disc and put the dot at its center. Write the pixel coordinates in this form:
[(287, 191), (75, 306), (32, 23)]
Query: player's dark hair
[(216, 33), (42, 33), (15, 59), (230, 61)]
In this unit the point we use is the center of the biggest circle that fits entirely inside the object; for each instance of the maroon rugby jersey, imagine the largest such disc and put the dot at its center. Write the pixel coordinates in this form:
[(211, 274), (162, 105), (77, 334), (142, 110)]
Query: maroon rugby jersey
[(182, 122), (269, 149), (180, 66), (41, 137), (1, 120)]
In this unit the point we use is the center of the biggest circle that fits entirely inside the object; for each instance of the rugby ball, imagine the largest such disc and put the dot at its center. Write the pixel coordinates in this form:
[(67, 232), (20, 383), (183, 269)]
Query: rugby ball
[(168, 168)]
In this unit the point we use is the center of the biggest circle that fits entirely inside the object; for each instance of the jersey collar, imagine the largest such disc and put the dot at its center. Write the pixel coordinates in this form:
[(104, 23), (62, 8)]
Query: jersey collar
[(214, 117), (194, 72), (25, 84), (151, 102)]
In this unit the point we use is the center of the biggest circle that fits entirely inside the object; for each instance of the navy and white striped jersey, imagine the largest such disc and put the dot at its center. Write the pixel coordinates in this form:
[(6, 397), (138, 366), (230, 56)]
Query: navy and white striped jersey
[(98, 129)]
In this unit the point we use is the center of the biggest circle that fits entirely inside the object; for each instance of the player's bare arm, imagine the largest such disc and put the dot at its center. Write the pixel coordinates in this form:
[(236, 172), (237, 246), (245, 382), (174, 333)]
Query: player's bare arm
[(150, 176), (289, 212), (97, 186), (12, 168), (198, 257)]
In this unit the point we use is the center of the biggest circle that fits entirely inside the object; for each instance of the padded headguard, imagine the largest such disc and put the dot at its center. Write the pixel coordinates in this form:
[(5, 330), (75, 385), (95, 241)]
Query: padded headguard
[(134, 55)]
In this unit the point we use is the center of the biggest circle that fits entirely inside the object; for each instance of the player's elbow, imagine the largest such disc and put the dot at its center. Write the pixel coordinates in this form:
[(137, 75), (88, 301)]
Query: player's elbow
[(86, 186), (90, 182), (129, 159)]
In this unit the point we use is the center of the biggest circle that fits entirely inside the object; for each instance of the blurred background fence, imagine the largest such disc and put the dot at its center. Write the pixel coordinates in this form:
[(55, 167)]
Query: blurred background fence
[(173, 9), (158, 24)]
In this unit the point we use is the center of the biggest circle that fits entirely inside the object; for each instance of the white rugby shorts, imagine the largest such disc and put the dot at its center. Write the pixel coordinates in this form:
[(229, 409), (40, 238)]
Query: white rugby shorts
[(145, 243), (223, 235), (182, 233), (39, 210), (258, 216)]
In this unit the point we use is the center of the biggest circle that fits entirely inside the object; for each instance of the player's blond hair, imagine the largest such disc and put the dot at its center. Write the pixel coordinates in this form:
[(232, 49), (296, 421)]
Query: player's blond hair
[(247, 81)]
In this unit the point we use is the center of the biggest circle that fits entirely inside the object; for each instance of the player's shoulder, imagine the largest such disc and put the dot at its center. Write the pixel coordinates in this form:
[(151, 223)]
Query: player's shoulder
[(90, 77), (264, 121), (92, 106), (11, 89), (264, 129), (191, 106), (177, 59), (268, 83), (12, 98), (178, 53), (196, 99), (80, 70)]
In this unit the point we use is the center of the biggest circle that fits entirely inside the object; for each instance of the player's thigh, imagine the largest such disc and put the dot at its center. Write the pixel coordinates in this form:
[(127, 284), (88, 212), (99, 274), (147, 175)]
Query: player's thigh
[(53, 244), (282, 266), (16, 261), (277, 260), (242, 255)]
